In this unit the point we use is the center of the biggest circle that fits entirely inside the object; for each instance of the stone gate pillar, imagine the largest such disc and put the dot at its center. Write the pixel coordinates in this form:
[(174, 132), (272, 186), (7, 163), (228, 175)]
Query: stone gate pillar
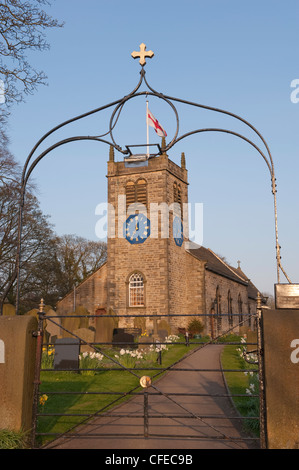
[(281, 360), (17, 363)]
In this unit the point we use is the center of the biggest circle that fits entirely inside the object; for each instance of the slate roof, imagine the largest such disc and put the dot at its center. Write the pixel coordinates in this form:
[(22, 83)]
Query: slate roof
[(217, 265)]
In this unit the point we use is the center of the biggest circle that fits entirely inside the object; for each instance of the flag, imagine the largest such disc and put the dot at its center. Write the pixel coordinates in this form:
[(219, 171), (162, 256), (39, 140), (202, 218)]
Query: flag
[(153, 122)]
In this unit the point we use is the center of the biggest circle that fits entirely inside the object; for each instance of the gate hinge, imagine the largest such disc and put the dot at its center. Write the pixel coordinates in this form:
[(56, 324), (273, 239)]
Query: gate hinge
[(36, 333)]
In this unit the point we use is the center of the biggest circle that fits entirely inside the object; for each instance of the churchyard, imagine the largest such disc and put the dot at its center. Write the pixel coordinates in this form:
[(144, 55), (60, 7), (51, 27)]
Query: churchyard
[(100, 383)]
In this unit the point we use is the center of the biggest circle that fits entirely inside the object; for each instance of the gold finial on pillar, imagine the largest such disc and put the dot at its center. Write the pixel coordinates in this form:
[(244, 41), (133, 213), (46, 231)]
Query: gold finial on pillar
[(259, 301), (41, 306), (111, 153), (183, 161)]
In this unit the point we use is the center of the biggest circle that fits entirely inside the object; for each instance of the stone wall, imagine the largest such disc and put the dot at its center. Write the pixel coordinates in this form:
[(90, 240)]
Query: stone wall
[(17, 365), (91, 294), (225, 285)]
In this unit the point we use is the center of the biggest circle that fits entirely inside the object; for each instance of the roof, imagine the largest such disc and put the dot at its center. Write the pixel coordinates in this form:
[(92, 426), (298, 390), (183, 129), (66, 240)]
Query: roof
[(252, 290), (216, 265)]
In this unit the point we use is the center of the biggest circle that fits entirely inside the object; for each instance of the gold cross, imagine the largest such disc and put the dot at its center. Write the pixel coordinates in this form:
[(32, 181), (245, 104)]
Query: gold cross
[(142, 54)]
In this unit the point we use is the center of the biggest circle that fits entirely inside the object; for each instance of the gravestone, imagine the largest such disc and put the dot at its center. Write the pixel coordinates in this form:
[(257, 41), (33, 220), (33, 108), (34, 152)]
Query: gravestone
[(164, 325), (52, 328), (162, 335), (123, 340), (86, 335), (252, 338), (144, 342), (9, 310), (67, 354), (71, 324), (104, 329)]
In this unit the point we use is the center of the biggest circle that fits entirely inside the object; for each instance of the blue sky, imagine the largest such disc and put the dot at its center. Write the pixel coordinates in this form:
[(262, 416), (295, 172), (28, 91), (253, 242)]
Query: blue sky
[(236, 55)]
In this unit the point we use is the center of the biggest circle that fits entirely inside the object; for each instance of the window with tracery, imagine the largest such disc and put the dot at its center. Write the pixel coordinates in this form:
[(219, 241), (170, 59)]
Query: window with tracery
[(136, 290)]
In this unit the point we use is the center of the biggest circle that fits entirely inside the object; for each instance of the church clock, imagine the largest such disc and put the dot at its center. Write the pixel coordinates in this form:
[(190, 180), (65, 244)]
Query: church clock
[(137, 228)]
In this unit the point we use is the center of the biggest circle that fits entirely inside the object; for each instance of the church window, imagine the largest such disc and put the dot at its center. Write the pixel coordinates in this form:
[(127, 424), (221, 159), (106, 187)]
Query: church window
[(175, 192), (230, 308), (240, 308), (136, 290), (218, 308)]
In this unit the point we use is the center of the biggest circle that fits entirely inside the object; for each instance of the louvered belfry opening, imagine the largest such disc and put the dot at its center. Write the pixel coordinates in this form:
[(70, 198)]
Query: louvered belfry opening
[(136, 192)]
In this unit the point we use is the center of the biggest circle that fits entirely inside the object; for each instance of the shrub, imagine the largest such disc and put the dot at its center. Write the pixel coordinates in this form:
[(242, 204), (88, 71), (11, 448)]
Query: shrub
[(13, 439), (195, 326)]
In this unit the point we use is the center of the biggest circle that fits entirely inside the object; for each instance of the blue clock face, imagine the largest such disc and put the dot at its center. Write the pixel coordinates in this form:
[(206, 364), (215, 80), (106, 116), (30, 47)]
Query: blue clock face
[(136, 228), (178, 234)]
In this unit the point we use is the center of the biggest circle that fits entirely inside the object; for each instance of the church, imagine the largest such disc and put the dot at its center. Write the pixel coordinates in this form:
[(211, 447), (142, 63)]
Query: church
[(152, 268)]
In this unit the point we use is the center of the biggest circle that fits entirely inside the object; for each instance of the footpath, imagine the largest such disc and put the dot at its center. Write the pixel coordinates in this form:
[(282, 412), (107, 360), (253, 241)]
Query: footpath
[(217, 428)]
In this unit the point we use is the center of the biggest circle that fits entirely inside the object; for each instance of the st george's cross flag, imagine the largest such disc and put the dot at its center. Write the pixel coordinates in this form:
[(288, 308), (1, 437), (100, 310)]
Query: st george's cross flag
[(153, 122)]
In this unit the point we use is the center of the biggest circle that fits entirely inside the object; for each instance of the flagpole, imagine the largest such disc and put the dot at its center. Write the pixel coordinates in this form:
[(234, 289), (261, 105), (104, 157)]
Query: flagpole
[(147, 131)]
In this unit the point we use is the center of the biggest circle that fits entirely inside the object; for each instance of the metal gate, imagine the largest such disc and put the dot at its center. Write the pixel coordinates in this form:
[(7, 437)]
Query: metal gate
[(160, 408)]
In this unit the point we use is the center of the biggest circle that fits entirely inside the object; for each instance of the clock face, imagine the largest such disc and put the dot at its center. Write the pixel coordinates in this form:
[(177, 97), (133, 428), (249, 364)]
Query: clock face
[(178, 234), (137, 228)]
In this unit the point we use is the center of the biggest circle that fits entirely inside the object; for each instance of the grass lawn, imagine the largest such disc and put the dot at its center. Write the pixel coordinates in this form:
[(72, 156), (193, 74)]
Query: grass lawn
[(115, 381), (241, 383)]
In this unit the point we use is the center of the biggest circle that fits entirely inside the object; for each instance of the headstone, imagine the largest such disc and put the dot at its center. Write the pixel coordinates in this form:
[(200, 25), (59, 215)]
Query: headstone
[(124, 340), (9, 310), (67, 354), (70, 324), (251, 338), (133, 331), (162, 335), (243, 330), (164, 325), (52, 328), (143, 342), (87, 335), (104, 329)]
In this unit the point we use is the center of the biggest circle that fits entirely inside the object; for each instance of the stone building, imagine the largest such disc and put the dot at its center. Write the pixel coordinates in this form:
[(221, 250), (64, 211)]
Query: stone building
[(152, 268)]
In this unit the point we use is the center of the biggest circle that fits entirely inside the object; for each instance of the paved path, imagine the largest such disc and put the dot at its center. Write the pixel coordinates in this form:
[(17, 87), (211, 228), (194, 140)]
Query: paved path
[(186, 430)]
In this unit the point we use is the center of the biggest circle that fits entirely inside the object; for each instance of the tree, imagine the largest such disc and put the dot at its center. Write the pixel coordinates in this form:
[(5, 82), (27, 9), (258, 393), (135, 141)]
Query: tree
[(36, 234), (22, 29), (77, 259)]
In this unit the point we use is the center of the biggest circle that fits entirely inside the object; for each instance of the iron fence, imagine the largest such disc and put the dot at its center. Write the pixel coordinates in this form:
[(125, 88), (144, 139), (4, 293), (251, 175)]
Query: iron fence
[(150, 393)]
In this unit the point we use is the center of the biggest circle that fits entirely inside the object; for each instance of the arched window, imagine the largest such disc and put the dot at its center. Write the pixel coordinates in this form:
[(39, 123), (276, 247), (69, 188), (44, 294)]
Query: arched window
[(230, 308), (130, 193), (141, 192), (240, 308), (136, 290), (177, 193), (218, 308)]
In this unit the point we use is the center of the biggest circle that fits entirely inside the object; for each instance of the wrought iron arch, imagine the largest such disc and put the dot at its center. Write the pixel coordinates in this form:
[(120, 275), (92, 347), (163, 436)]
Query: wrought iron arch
[(118, 107)]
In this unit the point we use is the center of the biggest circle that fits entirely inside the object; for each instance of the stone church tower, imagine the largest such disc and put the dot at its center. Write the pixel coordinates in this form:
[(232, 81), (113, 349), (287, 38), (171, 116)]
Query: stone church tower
[(146, 262), (153, 273)]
